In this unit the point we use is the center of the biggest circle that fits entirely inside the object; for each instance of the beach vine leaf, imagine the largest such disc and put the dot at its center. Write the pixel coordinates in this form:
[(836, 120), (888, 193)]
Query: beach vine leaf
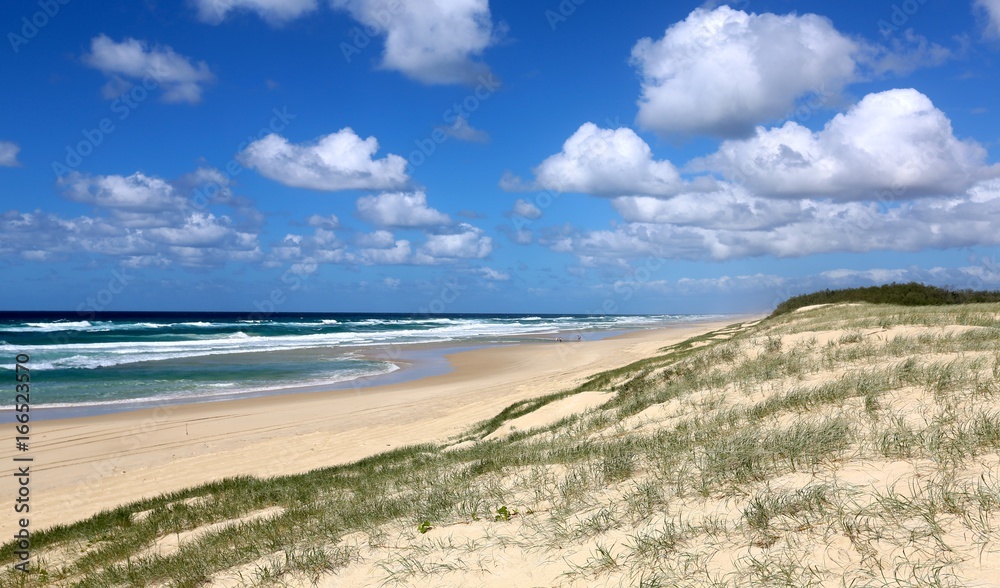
[(503, 514)]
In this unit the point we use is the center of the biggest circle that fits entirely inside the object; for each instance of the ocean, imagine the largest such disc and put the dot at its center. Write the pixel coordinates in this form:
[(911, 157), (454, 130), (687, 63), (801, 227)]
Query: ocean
[(122, 360)]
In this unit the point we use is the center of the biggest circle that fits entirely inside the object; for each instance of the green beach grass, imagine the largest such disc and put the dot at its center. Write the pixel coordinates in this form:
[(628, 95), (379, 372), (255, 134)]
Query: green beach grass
[(843, 445)]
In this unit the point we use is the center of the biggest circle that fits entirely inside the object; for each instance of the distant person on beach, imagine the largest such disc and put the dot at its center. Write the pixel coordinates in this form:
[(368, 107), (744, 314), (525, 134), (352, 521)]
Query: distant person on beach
[(579, 337)]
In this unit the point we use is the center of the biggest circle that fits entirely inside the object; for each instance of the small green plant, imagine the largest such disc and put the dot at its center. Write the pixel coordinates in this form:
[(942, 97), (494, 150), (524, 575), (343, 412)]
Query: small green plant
[(424, 526), (504, 514)]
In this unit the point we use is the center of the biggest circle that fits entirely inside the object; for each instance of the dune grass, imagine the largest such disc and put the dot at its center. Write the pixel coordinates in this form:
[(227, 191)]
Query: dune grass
[(837, 446)]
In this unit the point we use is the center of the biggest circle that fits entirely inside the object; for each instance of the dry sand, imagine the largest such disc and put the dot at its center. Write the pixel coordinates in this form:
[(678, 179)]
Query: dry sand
[(84, 465), (714, 539)]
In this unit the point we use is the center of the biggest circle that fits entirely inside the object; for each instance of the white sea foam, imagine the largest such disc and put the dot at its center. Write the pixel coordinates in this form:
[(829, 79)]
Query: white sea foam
[(50, 327), (102, 354)]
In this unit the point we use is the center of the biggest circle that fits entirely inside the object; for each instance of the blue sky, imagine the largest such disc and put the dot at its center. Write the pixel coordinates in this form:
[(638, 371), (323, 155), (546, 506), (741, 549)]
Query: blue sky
[(466, 156)]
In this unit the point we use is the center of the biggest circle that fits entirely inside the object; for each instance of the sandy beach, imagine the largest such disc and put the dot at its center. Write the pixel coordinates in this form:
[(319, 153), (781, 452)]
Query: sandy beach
[(84, 465), (834, 445)]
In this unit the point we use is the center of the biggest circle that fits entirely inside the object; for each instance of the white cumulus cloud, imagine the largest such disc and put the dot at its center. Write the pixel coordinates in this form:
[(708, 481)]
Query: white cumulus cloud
[(380, 239), (139, 221), (731, 207), (325, 222), (197, 239), (135, 193), (400, 209), (8, 154), (894, 141), (819, 226), (992, 9), (723, 71), (338, 161), (604, 162), (467, 242), (135, 61), (525, 209), (397, 253), (431, 41), (202, 230), (273, 11)]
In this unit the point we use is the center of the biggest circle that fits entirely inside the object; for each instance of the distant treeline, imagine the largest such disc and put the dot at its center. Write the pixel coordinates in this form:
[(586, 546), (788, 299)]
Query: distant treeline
[(911, 294)]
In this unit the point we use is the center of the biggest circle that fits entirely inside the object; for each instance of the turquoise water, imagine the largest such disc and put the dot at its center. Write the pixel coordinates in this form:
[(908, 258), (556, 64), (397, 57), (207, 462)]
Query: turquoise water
[(131, 358)]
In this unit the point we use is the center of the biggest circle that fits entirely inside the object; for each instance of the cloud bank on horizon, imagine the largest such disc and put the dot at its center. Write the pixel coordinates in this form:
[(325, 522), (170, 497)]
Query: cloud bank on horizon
[(770, 153)]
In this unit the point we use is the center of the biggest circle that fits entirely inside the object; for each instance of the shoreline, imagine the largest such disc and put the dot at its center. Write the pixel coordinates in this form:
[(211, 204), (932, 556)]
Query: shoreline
[(87, 464), (412, 361)]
